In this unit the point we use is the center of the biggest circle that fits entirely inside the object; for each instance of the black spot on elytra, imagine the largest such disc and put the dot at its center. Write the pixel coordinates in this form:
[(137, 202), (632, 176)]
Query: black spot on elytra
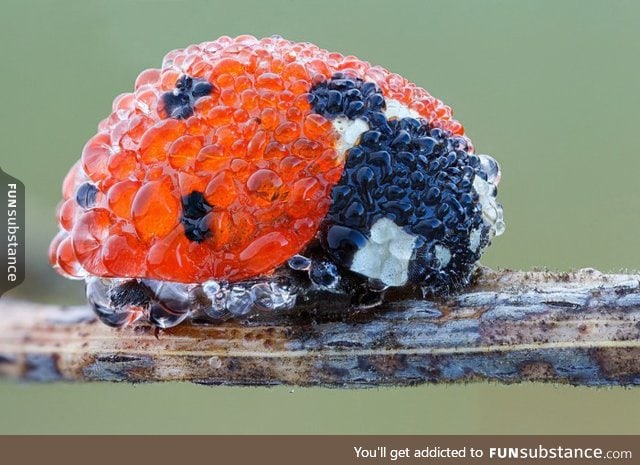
[(194, 211), (86, 195), (179, 102)]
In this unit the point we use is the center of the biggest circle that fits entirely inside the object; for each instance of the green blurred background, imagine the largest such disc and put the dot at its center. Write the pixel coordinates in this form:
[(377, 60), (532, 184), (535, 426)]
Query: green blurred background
[(549, 88)]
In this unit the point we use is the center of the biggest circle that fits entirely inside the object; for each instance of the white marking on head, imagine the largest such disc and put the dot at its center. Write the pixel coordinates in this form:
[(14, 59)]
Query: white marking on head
[(474, 239), (443, 255), (386, 255), (349, 132), (395, 109)]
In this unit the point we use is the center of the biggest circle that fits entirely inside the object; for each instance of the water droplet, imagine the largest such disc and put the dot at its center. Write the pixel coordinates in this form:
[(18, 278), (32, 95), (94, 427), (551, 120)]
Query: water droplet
[(172, 303), (239, 301), (175, 296), (217, 296), (272, 297), (324, 274), (98, 291), (492, 169), (299, 263), (215, 363), (163, 317)]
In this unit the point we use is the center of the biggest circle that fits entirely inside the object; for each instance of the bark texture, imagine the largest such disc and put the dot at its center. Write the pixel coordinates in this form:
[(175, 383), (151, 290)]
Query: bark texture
[(581, 328)]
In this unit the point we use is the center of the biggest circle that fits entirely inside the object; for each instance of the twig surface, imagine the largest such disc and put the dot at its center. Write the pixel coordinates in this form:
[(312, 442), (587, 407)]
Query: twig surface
[(581, 328)]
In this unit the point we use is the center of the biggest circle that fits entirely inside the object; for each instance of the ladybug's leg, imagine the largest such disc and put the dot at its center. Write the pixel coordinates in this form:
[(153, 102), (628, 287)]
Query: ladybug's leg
[(116, 302)]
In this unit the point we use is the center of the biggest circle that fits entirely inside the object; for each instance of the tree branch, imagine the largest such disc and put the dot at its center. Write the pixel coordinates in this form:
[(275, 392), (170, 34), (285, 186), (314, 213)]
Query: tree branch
[(581, 328)]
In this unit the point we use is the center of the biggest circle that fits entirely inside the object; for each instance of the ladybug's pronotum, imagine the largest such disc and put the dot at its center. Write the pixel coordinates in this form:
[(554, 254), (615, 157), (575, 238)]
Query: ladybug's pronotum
[(244, 169)]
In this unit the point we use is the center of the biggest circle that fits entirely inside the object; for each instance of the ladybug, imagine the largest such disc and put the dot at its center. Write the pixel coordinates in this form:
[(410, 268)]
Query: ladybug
[(244, 169)]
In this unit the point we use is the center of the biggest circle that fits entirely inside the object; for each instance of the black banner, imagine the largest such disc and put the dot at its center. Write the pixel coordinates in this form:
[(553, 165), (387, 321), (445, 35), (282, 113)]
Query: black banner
[(321, 450)]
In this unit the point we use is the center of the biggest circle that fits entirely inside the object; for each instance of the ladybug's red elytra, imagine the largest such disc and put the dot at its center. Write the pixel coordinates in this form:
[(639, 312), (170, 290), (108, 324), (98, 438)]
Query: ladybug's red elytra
[(240, 158)]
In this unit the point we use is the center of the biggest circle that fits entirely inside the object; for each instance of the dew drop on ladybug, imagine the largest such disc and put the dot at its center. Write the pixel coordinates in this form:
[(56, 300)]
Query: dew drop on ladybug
[(245, 172)]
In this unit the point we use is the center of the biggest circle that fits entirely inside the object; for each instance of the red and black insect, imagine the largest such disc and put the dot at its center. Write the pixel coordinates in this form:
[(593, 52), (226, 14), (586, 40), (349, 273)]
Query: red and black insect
[(242, 156)]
